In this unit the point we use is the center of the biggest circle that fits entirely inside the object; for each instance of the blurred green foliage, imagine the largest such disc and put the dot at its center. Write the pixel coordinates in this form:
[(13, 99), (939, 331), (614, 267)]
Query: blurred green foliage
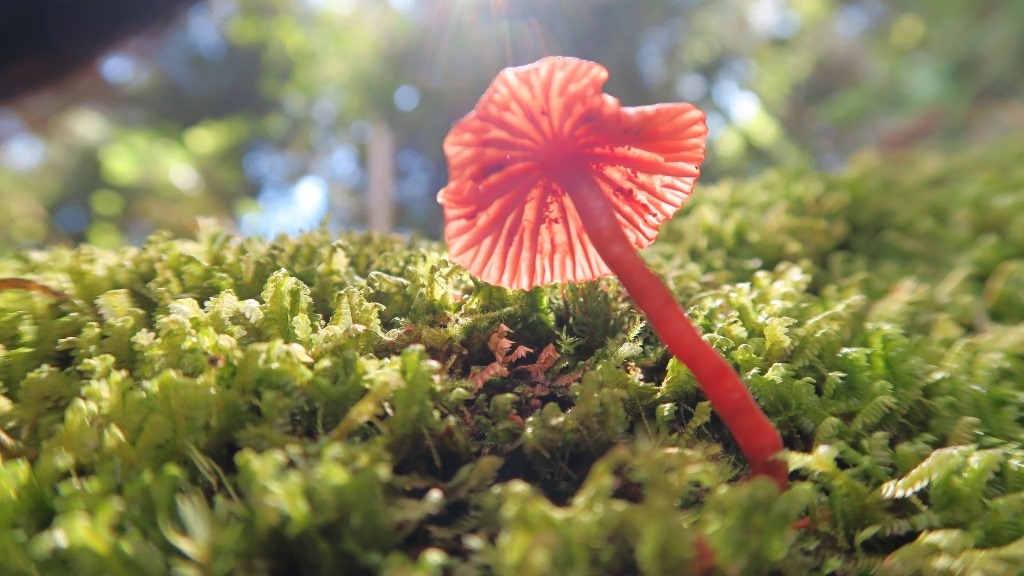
[(225, 113), (310, 405)]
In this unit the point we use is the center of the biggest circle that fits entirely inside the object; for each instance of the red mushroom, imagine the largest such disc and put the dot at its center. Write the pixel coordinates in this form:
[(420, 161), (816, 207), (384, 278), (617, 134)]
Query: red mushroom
[(551, 180)]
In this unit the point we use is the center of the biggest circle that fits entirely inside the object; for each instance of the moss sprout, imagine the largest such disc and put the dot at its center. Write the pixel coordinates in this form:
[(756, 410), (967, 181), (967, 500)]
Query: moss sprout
[(219, 405)]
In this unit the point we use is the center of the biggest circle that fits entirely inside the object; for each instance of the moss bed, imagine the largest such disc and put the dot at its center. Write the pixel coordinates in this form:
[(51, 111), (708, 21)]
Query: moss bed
[(359, 405)]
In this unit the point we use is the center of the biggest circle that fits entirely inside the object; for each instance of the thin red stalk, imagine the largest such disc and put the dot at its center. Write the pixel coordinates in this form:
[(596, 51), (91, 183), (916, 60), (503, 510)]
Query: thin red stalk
[(754, 432)]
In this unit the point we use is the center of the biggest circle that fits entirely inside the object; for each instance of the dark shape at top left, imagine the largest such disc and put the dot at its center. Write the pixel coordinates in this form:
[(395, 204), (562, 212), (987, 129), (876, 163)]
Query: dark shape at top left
[(45, 41)]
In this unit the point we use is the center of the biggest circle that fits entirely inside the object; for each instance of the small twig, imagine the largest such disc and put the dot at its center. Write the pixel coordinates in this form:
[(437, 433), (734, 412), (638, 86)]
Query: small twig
[(32, 286)]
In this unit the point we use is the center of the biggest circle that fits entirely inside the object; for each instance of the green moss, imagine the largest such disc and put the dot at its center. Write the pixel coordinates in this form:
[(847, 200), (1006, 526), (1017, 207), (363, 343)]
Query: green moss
[(315, 405)]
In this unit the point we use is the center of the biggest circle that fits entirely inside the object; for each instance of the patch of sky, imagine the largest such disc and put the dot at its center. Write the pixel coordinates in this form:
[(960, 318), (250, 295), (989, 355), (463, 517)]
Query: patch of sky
[(288, 210)]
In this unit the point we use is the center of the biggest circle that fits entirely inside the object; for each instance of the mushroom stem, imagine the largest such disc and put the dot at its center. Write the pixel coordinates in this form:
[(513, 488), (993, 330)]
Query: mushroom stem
[(754, 432)]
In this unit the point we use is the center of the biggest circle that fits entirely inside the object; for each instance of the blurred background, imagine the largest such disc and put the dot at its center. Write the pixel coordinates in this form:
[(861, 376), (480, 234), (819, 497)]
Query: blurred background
[(121, 117)]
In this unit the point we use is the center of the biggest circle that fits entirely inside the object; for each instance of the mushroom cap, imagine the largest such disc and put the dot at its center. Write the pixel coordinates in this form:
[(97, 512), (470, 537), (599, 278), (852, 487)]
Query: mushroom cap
[(509, 221)]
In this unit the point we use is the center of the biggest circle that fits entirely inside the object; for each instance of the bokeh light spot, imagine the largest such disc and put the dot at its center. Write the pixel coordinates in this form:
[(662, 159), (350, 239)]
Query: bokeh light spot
[(23, 152), (119, 68), (762, 130), (204, 31), (104, 235), (773, 19), (185, 178), (692, 86), (266, 164), (344, 165), (851, 21), (88, 125), (741, 105), (907, 31), (201, 140), (246, 206), (360, 131), (407, 98), (71, 218), (324, 111), (730, 144), (105, 202)]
